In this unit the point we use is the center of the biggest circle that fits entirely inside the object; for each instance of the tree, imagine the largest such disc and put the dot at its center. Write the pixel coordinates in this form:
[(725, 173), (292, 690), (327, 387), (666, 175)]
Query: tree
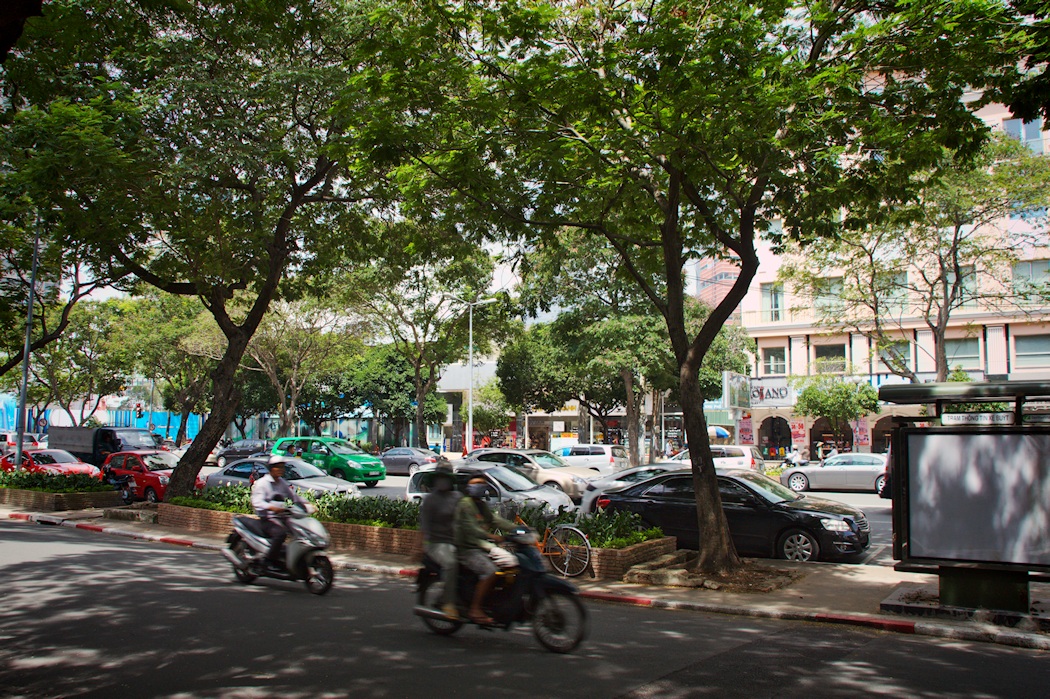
[(223, 163), (1029, 97), (840, 400), (667, 130), (330, 395), (385, 382), (953, 248), (413, 290), (490, 408)]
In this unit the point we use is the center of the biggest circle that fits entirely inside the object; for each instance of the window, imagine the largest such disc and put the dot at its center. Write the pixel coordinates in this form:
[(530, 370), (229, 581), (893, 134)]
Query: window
[(772, 302), (1028, 132), (830, 359), (673, 488), (828, 299), (965, 353), (1031, 276), (968, 286), (774, 360), (1031, 351), (896, 296), (898, 351), (241, 470), (733, 494)]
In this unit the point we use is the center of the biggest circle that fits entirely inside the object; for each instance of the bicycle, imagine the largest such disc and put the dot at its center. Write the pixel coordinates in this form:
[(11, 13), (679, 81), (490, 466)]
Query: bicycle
[(566, 547)]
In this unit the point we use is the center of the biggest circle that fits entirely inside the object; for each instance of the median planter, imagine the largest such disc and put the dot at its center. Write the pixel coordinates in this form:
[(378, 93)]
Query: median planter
[(613, 564), (55, 502), (346, 537)]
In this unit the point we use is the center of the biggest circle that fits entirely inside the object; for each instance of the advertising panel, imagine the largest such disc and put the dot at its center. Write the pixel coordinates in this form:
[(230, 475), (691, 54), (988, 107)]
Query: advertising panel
[(771, 393), (861, 433), (744, 432), (798, 431)]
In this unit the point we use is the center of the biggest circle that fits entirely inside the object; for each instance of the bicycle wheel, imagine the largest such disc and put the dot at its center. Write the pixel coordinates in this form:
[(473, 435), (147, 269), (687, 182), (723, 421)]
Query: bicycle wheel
[(568, 550)]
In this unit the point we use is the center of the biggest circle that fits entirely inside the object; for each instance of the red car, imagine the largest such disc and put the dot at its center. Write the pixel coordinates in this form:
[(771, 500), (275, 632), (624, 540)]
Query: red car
[(50, 461), (149, 468)]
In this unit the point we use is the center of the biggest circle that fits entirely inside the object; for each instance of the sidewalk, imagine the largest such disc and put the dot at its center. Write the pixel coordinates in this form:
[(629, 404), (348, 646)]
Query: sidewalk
[(828, 592)]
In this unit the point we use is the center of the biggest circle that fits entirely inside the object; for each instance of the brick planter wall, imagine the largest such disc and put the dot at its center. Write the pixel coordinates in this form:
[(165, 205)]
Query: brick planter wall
[(614, 563), (347, 537), (54, 502)]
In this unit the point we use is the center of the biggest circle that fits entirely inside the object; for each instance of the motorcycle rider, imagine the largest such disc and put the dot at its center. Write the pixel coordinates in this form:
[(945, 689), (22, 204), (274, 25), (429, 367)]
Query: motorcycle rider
[(474, 538), (436, 519), (269, 495)]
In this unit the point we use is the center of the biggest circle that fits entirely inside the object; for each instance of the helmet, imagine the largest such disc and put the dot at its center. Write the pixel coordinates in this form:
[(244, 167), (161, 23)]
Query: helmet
[(443, 465), (277, 460)]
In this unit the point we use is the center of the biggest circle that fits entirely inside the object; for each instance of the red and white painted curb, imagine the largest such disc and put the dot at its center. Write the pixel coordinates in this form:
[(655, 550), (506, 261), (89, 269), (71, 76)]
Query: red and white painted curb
[(984, 633)]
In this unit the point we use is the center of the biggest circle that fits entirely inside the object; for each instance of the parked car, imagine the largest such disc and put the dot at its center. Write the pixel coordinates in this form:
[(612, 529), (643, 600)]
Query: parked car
[(765, 518), (50, 461), (851, 471), (336, 457), (9, 440), (607, 458), (241, 449), (541, 466), (621, 479), (302, 476), (510, 490), (730, 456), (150, 469), (407, 460)]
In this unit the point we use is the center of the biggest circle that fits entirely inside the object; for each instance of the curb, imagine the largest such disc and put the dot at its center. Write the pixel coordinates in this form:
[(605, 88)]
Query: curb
[(984, 633)]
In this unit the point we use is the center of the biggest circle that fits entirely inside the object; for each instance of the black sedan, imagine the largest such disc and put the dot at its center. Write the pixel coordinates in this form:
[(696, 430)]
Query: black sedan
[(243, 448), (407, 460), (765, 518)]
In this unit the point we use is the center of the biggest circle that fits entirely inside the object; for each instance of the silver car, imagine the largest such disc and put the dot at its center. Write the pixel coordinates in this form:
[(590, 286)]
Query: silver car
[(840, 472), (509, 491), (300, 474), (541, 466)]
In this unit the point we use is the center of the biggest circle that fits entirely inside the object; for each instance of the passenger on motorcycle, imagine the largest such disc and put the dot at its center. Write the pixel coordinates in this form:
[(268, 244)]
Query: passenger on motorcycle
[(474, 537), (436, 520), (269, 495)]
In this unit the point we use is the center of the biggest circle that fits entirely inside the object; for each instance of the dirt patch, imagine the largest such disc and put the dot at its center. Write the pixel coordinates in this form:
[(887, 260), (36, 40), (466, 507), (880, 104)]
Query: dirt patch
[(677, 571), (920, 596)]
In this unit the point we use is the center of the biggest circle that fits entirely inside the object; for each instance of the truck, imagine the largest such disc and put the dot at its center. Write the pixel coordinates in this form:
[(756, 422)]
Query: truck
[(94, 444)]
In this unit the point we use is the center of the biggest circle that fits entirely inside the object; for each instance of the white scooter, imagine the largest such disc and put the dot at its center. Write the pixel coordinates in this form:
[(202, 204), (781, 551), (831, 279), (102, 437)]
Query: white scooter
[(303, 557)]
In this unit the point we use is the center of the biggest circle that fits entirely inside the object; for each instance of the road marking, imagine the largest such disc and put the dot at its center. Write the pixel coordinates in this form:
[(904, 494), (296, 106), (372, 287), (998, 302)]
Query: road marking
[(874, 552)]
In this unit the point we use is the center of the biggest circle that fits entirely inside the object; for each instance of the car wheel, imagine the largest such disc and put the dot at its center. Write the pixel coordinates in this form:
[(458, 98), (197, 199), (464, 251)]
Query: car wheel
[(151, 495), (798, 545), (412, 468), (554, 485), (371, 484), (798, 482), (880, 484), (221, 461), (339, 474)]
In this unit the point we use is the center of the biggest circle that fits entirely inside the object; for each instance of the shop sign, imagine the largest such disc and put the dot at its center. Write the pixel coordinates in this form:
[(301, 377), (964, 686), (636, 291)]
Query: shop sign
[(771, 393)]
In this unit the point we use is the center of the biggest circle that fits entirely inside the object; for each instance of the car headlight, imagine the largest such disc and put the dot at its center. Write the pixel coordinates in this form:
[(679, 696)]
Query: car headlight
[(835, 525), (579, 481), (164, 480)]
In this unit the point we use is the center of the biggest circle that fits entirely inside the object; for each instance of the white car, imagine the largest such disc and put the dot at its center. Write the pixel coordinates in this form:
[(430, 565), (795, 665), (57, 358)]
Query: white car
[(606, 458), (730, 456)]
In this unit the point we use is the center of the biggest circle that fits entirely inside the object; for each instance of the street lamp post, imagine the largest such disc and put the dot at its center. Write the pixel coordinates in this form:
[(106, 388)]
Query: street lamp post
[(20, 423), (470, 362)]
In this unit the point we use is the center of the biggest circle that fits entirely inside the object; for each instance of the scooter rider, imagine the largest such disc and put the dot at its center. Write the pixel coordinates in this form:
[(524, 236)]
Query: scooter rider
[(269, 495), (474, 537), (436, 519)]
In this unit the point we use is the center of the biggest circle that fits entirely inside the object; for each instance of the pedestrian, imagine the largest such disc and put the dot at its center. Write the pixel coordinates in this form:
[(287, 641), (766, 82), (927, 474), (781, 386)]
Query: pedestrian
[(436, 519)]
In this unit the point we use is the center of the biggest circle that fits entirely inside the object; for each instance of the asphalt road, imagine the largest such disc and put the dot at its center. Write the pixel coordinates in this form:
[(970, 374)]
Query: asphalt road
[(92, 616)]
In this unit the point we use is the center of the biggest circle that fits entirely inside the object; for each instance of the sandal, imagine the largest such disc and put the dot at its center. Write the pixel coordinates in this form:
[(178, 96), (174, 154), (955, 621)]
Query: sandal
[(481, 619)]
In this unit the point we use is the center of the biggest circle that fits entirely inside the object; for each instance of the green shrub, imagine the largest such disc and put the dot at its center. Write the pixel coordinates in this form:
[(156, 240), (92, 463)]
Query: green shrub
[(53, 482), (605, 530), (774, 471)]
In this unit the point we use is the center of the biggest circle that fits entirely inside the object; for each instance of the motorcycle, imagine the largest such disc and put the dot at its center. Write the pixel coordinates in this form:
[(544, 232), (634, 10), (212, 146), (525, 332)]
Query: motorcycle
[(124, 484), (523, 593), (303, 558)]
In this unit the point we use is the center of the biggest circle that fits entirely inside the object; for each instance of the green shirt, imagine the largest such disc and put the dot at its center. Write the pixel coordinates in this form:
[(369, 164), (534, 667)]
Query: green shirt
[(472, 531)]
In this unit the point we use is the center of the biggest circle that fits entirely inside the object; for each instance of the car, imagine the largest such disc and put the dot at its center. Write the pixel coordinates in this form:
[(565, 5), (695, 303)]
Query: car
[(730, 456), (852, 471), (541, 466), (151, 470), (607, 458), (9, 440), (509, 490), (766, 519), (407, 460), (241, 449), (50, 461), (621, 479), (336, 457), (303, 476)]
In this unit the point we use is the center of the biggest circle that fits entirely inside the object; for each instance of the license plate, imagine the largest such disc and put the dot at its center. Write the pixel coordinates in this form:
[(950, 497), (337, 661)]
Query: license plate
[(373, 473)]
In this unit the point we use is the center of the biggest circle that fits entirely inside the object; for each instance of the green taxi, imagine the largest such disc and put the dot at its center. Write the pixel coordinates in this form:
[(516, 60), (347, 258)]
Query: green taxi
[(336, 457)]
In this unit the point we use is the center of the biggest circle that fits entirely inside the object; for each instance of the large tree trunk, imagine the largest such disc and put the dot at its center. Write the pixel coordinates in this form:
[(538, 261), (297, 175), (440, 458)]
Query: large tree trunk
[(633, 417)]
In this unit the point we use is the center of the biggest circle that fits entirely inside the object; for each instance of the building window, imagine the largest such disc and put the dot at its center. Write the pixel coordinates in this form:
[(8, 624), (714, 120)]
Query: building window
[(830, 359), (896, 300), (1029, 132), (898, 351), (967, 287), (774, 361), (828, 300), (1031, 277), (1031, 351), (965, 353), (772, 302)]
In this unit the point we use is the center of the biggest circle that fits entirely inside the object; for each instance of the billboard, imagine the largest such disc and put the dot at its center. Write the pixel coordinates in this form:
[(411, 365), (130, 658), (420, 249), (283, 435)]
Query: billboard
[(975, 495)]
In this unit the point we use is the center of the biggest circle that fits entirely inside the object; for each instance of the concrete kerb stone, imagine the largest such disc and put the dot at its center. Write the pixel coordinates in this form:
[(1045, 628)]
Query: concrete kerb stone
[(983, 633)]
